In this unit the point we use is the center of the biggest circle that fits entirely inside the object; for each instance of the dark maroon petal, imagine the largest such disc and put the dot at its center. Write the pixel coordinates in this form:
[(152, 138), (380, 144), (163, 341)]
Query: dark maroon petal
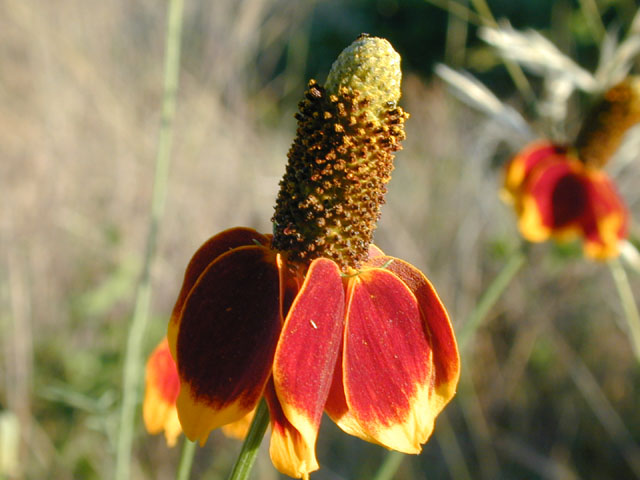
[(227, 337)]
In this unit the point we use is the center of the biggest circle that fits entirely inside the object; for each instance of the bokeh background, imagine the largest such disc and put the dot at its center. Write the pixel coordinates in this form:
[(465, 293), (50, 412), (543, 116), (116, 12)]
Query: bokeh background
[(550, 388)]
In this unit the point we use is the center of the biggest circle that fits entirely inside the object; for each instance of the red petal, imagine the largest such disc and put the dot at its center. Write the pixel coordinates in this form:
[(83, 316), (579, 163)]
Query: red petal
[(161, 371), (446, 359), (560, 193), (290, 454), (606, 222), (161, 390), (530, 157), (338, 409), (553, 201), (308, 348), (374, 251), (387, 366), (290, 282), (207, 253), (227, 338)]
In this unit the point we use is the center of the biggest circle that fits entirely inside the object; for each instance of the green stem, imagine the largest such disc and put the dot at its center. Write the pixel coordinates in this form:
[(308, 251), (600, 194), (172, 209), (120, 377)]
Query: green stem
[(389, 466), (514, 70), (459, 10), (451, 451), (490, 297), (133, 356), (247, 456), (393, 459), (628, 304), (186, 460), (594, 20)]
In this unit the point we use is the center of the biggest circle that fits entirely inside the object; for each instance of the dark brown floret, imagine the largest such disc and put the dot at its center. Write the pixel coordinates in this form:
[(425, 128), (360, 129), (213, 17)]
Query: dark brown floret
[(335, 180), (606, 124)]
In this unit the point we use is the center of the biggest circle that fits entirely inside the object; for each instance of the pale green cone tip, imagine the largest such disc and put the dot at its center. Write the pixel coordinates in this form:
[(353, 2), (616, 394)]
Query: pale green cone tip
[(371, 66)]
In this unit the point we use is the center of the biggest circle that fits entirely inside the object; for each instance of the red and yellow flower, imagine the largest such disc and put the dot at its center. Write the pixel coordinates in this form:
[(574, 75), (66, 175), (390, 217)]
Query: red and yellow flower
[(562, 193), (315, 318), (557, 196)]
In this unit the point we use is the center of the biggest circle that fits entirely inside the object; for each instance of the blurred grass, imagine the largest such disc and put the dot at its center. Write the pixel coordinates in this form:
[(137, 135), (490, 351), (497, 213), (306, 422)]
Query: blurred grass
[(80, 89)]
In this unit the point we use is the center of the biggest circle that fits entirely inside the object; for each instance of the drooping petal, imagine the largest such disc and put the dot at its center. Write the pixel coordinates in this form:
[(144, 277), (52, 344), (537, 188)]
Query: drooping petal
[(554, 202), (338, 409), (606, 222), (374, 251), (388, 369), (239, 428), (227, 338), (530, 157), (161, 390), (446, 359), (290, 454), (207, 253), (308, 348), (291, 279)]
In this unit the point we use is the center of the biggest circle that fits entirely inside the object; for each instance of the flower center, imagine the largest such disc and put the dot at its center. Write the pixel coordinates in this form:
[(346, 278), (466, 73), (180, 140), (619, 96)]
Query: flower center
[(569, 200), (603, 129), (342, 157)]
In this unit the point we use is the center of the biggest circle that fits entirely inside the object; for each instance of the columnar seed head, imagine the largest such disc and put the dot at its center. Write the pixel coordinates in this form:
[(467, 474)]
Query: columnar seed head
[(606, 124), (342, 157)]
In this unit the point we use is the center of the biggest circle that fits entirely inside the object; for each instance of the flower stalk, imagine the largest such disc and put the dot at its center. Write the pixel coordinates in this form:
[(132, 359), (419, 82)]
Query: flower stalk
[(246, 458), (628, 302), (133, 361), (186, 460), (491, 295)]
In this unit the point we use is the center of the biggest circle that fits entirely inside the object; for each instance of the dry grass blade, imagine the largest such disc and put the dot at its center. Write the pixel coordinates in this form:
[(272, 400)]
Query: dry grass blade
[(538, 54), (523, 453), (630, 255), (616, 60), (600, 404), (472, 92)]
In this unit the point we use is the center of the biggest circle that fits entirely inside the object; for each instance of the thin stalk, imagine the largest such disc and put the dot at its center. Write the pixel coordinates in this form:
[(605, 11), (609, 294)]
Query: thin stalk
[(450, 448), (515, 72), (459, 10), (393, 459), (456, 40), (594, 20), (186, 460), (628, 304), (390, 465), (251, 445), (479, 428), (490, 297), (592, 393), (133, 356)]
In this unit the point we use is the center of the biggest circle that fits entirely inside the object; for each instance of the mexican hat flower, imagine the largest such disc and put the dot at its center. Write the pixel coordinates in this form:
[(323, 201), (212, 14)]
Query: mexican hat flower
[(561, 192), (314, 317)]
